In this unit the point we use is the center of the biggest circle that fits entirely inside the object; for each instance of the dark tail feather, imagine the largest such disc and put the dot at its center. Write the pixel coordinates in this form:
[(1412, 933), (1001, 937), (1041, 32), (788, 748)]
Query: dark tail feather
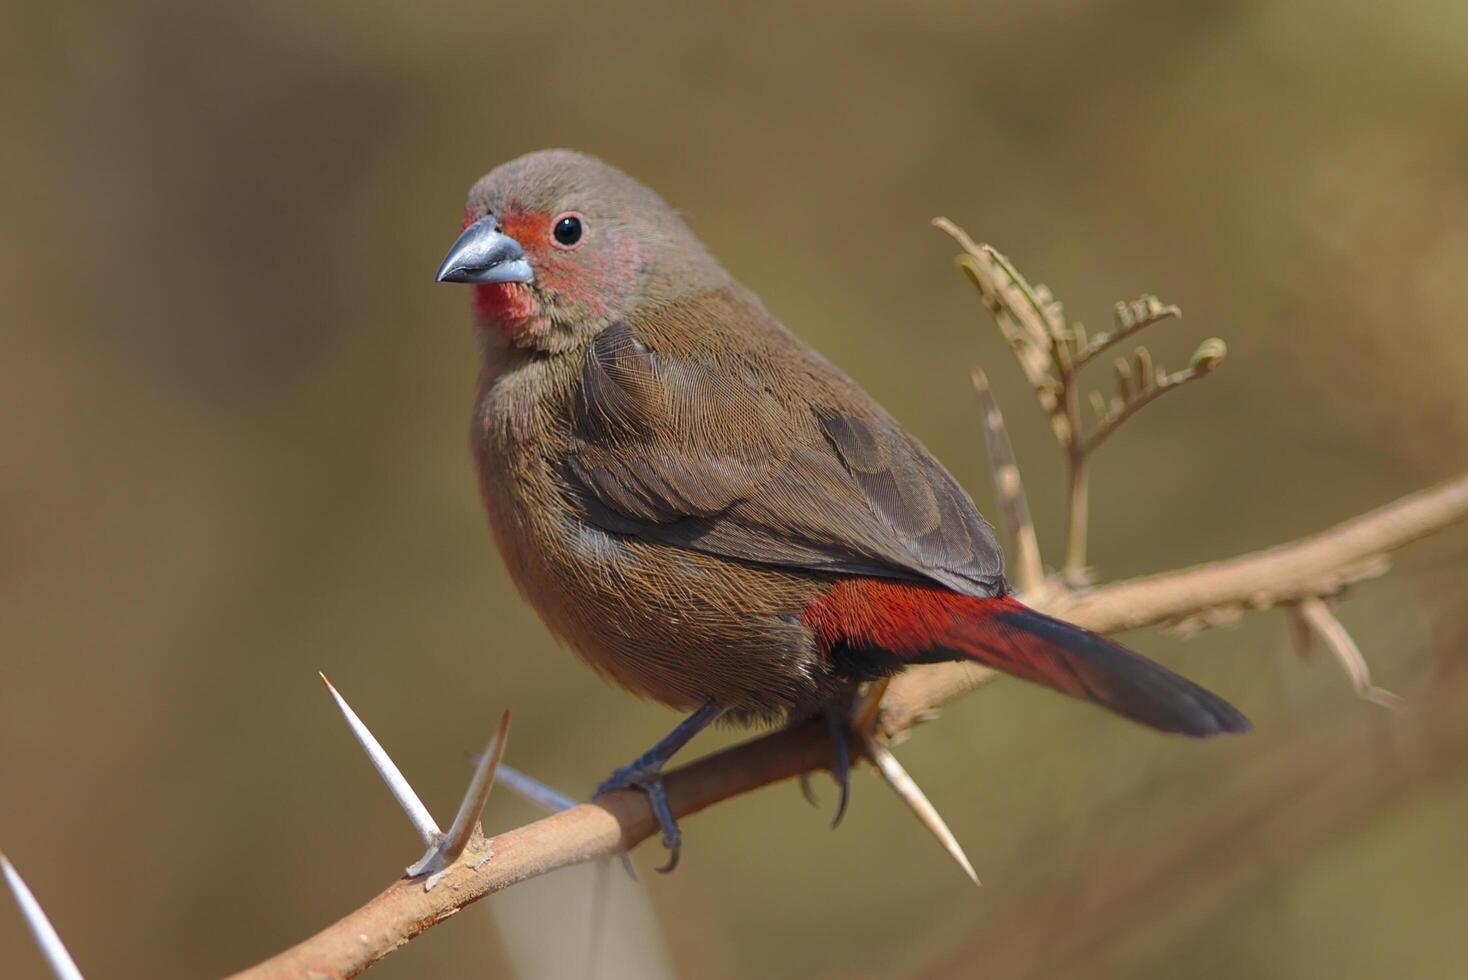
[(1020, 641)]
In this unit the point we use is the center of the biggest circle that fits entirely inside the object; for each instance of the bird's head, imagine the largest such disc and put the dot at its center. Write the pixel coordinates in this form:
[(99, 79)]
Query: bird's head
[(558, 245)]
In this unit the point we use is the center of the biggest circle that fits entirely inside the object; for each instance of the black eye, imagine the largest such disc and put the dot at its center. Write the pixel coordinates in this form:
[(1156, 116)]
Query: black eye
[(567, 231)]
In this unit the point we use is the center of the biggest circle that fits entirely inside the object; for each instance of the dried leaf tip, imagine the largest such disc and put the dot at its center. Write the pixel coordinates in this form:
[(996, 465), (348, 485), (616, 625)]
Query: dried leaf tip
[(1143, 311), (1207, 356)]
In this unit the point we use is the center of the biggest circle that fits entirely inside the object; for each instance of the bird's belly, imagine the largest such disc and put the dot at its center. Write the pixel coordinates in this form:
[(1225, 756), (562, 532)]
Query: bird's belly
[(672, 624)]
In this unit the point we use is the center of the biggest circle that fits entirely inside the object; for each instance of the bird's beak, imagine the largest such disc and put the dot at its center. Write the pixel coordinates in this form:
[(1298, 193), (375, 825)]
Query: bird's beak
[(484, 254)]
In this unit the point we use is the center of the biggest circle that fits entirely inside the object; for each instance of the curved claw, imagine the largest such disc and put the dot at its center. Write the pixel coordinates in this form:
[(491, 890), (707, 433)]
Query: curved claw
[(807, 790), (840, 762), (657, 798), (650, 782)]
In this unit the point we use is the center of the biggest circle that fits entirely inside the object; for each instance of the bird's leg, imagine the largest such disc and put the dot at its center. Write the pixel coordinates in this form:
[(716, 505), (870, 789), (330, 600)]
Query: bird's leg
[(646, 773)]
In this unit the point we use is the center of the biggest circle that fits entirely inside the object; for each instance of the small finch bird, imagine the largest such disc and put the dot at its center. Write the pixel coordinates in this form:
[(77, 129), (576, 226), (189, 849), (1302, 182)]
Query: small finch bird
[(708, 511)]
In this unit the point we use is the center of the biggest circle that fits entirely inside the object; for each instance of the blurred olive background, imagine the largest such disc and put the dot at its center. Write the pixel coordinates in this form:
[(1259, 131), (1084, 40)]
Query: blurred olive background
[(234, 453)]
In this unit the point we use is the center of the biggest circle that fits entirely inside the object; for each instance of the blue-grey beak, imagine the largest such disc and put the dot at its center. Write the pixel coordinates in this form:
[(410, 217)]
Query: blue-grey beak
[(484, 254)]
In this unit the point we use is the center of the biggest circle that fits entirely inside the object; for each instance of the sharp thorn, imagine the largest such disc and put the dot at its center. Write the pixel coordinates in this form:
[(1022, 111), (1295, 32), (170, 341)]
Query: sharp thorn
[(909, 792), (52, 948), (418, 814), (628, 866), (534, 791), (1301, 633), (1338, 639), (448, 849)]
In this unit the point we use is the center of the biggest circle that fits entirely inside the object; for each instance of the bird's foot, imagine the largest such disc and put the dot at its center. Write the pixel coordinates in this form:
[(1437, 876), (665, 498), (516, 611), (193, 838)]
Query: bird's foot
[(838, 718), (646, 774)]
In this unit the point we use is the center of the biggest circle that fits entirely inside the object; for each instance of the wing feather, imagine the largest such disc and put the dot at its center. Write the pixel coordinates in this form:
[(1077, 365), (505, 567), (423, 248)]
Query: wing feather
[(687, 451)]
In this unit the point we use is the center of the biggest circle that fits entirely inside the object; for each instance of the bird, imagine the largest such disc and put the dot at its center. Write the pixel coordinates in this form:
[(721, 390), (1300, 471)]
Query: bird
[(708, 511)]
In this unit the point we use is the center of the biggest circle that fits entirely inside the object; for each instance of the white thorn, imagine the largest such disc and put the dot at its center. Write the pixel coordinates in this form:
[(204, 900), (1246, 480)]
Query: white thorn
[(447, 849), (52, 948), (418, 814), (534, 791), (1330, 629), (908, 790)]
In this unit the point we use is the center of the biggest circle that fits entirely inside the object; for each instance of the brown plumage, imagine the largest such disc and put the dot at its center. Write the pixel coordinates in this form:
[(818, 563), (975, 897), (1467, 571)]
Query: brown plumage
[(703, 507)]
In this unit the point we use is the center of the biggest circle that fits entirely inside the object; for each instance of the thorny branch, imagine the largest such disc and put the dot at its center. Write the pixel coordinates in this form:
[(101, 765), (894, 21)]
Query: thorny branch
[(1051, 352)]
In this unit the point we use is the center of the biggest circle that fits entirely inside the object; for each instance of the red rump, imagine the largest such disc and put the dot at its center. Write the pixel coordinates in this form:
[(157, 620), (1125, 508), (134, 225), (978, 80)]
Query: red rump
[(905, 618), (921, 623)]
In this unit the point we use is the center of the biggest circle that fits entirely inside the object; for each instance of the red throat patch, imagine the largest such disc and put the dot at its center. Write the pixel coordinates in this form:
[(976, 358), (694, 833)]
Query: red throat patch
[(509, 304)]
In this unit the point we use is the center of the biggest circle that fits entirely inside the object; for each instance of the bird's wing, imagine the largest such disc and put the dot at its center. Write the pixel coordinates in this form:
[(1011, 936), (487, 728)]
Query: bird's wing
[(699, 452)]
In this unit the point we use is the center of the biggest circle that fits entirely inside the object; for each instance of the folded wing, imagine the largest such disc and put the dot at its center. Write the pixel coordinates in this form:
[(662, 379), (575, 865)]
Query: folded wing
[(703, 453)]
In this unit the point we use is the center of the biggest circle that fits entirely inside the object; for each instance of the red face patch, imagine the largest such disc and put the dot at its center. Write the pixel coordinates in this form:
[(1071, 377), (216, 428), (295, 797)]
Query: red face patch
[(572, 278), (530, 228), (579, 282)]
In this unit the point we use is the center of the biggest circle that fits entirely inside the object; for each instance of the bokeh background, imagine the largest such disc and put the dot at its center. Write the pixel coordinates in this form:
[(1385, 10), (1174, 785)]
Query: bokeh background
[(233, 440)]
